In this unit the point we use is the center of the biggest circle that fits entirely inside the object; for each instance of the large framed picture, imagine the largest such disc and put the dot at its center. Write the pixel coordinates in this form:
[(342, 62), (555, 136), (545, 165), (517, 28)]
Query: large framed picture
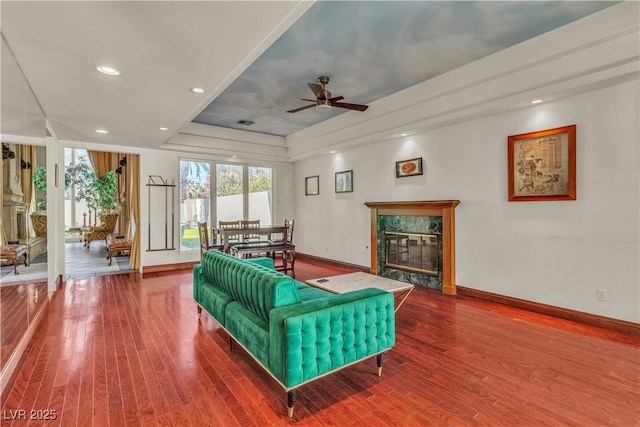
[(312, 185), (344, 182), (409, 167), (542, 165)]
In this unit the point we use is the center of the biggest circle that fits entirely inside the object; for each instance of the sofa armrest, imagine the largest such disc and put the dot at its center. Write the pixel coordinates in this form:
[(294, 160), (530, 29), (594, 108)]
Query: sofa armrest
[(313, 338), (263, 261), (198, 278)]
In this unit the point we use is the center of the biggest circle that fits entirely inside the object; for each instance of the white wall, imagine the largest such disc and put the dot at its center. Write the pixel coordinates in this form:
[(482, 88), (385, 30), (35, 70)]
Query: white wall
[(556, 253)]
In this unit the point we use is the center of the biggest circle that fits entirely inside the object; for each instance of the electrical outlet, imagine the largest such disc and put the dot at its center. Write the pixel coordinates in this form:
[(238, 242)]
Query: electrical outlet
[(601, 295)]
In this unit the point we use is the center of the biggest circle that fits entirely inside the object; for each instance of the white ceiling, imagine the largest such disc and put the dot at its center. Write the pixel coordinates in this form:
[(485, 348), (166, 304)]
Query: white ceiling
[(165, 48)]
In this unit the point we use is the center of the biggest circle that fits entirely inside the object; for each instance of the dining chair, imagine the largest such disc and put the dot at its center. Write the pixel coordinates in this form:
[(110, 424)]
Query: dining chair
[(284, 250), (254, 223), (290, 224), (205, 242), (226, 225)]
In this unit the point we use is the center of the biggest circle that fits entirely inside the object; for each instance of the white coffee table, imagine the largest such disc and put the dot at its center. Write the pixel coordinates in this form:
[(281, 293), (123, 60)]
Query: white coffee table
[(356, 281)]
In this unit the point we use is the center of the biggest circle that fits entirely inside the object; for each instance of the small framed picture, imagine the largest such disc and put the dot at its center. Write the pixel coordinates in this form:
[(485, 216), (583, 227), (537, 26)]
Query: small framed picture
[(344, 182), (312, 185), (542, 165), (409, 167)]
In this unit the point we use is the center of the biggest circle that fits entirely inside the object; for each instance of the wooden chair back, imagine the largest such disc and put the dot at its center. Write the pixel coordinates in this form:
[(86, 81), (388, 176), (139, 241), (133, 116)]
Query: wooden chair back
[(203, 232), (289, 223), (253, 223), (230, 225)]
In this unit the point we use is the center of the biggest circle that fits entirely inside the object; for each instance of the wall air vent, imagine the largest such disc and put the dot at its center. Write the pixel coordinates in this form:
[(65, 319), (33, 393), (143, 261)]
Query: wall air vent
[(245, 122)]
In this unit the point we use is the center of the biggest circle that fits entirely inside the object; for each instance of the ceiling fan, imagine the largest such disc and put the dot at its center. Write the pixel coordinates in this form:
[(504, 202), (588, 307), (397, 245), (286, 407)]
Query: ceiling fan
[(324, 101)]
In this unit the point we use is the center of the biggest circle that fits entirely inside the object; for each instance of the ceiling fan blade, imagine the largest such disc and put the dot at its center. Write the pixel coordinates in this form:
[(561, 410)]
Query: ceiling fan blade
[(348, 106), (305, 99), (317, 90), (336, 98), (295, 110)]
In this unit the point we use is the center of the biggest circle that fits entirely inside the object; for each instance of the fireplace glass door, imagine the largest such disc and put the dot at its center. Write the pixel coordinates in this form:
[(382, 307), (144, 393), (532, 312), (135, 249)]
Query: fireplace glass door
[(412, 251)]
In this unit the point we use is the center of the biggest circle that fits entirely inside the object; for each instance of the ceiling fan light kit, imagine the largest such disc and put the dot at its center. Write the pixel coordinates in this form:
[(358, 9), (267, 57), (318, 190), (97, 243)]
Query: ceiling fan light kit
[(323, 106), (324, 101)]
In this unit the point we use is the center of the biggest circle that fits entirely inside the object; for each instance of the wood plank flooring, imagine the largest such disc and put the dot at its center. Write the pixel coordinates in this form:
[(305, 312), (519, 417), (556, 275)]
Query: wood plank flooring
[(124, 351), (19, 304)]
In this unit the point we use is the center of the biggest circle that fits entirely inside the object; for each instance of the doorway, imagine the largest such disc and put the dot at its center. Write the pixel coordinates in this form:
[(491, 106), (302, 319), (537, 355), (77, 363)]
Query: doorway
[(97, 211)]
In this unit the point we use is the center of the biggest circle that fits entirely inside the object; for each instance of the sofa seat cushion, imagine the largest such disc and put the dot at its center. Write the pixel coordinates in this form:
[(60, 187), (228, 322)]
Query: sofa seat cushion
[(248, 329), (310, 294), (215, 302), (300, 285)]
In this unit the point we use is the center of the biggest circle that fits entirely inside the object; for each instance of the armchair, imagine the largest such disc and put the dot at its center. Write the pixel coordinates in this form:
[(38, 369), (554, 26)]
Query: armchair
[(103, 231)]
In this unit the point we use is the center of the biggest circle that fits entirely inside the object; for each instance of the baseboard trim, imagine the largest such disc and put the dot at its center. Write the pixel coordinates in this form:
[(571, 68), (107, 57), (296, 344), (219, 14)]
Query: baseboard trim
[(313, 258), (609, 323), (168, 267)]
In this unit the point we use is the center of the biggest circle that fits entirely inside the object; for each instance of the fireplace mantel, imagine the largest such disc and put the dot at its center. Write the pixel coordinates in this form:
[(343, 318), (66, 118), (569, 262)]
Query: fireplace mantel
[(443, 208)]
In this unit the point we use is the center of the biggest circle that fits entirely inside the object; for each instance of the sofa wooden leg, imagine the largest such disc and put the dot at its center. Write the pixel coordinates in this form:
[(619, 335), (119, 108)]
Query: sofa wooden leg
[(199, 311), (379, 362), (230, 344), (291, 398)]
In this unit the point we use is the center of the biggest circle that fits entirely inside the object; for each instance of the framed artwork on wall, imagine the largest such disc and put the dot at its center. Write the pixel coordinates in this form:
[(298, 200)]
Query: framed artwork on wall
[(409, 167), (542, 165), (312, 185), (344, 182)]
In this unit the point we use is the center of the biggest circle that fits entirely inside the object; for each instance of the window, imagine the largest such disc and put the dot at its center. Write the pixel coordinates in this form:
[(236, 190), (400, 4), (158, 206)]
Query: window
[(260, 183), (195, 204), (242, 192), (230, 200), (76, 213)]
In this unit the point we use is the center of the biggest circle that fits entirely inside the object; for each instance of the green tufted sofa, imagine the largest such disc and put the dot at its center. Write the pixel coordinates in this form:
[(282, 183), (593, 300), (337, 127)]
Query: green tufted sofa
[(295, 332)]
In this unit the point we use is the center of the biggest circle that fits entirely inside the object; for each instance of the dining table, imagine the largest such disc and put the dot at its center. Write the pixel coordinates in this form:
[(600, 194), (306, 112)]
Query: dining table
[(224, 234)]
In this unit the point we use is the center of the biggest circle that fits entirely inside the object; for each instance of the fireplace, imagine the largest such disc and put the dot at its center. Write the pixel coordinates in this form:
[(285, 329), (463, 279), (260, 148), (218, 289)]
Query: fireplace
[(414, 242)]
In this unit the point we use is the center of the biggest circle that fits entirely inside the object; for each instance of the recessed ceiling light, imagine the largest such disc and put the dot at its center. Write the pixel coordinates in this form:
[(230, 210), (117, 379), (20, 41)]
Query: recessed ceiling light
[(197, 90), (332, 152), (101, 131), (404, 134), (536, 101), (234, 156), (110, 71), (163, 128)]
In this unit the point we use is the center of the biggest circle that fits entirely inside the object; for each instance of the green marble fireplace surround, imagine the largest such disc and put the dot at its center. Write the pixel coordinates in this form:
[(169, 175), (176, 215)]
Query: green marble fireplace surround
[(421, 217)]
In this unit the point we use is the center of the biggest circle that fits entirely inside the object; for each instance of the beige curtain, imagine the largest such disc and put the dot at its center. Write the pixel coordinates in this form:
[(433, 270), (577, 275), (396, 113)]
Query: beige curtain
[(115, 164), (100, 162), (133, 201), (28, 155), (3, 235)]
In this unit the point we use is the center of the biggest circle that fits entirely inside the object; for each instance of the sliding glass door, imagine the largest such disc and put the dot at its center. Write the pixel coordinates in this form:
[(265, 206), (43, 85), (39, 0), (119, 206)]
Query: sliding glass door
[(242, 192)]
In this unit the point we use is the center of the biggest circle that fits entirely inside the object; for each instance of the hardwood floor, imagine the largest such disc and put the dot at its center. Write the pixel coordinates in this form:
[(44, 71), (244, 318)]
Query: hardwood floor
[(120, 350), (19, 304)]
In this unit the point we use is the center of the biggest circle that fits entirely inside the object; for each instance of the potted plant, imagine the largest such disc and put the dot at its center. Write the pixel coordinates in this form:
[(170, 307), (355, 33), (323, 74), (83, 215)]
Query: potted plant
[(99, 193)]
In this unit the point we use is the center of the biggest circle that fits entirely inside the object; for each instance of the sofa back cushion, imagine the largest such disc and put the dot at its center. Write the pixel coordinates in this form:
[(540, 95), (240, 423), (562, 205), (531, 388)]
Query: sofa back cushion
[(257, 288)]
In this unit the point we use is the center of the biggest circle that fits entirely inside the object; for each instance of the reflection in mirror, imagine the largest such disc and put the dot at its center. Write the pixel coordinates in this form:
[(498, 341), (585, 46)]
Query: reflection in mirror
[(23, 253), (23, 233)]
